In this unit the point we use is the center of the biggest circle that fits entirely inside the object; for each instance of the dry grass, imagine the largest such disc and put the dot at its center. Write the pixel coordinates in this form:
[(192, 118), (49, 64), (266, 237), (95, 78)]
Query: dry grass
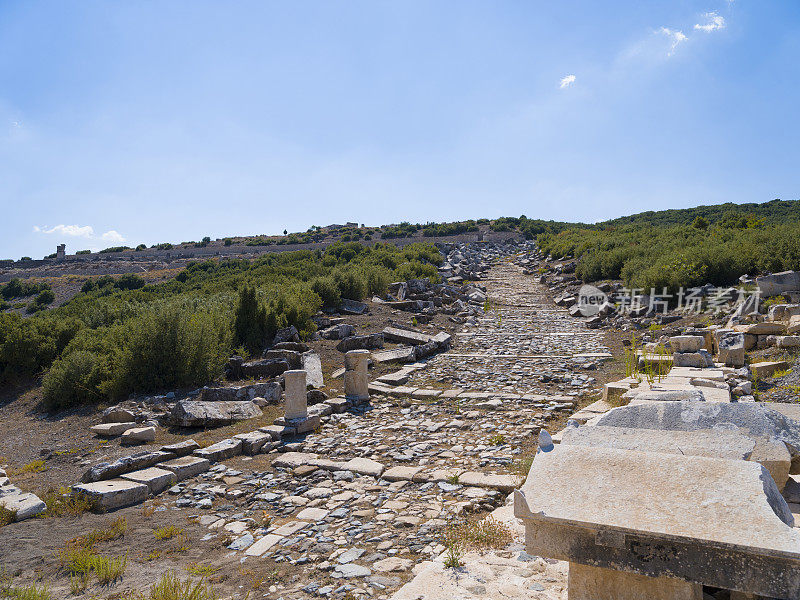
[(61, 503), (36, 466), (7, 516), (199, 570), (171, 587), (486, 534), (167, 533), (80, 560)]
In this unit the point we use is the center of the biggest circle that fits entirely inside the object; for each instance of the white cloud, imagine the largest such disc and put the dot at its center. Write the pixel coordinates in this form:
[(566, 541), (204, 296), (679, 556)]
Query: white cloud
[(676, 37), (82, 231), (113, 236), (567, 81), (72, 230), (713, 22)]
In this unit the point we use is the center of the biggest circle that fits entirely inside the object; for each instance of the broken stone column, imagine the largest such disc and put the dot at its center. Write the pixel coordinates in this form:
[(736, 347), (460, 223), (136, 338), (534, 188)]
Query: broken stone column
[(356, 380), (296, 400), (731, 349)]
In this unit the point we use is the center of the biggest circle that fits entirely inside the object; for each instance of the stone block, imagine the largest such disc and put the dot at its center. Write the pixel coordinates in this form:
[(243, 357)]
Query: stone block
[(183, 448), (364, 466), (113, 493), (504, 483), (767, 368), (338, 405), (276, 432), (126, 464), (201, 413), (401, 473), (692, 359), (794, 325), (156, 480), (778, 283), (595, 583), (733, 530), (732, 348), (765, 328), (401, 355), (404, 336), (312, 365), (788, 341), (253, 441), (613, 391), (220, 450), (116, 414), (686, 343), (186, 466), (361, 342), (730, 445), (783, 312), (139, 435), (23, 505), (111, 429), (263, 545)]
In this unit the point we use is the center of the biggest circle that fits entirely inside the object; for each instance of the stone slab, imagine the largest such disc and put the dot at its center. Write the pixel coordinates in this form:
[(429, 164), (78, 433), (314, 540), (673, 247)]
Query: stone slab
[(404, 336), (312, 365), (730, 445), (24, 505), (253, 441), (126, 464), (139, 435), (292, 460), (201, 413), (113, 493), (156, 479), (111, 429), (767, 368), (401, 355), (221, 450), (186, 466), (717, 522), (401, 473), (263, 545), (364, 466), (504, 483), (183, 448)]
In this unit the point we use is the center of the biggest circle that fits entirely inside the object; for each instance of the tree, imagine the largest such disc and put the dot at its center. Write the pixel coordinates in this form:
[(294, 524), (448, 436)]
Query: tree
[(285, 232), (700, 223), (250, 322)]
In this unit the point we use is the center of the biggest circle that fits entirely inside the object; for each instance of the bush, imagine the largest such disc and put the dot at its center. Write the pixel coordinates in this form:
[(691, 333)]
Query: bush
[(170, 346), (250, 322), (129, 281), (45, 297), (328, 291), (83, 252), (351, 283), (74, 379)]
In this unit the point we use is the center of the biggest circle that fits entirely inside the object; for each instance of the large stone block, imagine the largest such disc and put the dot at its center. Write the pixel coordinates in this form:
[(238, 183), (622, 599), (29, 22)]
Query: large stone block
[(778, 283), (126, 464), (361, 342), (404, 336), (111, 429), (113, 493), (312, 365), (221, 450), (765, 328), (253, 442), (595, 583), (156, 480), (731, 445), (709, 521), (783, 312), (686, 343), (767, 368), (186, 466), (732, 349), (692, 359), (201, 413), (23, 505)]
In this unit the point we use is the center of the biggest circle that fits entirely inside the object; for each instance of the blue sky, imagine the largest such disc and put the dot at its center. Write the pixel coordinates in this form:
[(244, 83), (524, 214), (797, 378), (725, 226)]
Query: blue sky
[(140, 122)]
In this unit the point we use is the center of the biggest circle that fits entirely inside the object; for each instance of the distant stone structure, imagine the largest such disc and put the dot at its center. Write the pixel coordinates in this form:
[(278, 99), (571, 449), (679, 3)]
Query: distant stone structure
[(61, 252)]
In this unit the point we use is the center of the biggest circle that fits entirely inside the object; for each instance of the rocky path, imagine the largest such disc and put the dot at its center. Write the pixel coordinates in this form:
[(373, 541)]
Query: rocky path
[(524, 345), (355, 505)]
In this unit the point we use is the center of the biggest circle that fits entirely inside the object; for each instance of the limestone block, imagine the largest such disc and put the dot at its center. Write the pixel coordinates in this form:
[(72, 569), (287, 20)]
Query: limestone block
[(788, 341), (364, 466), (595, 583), (778, 283), (183, 448), (686, 343), (24, 505), (295, 394), (794, 325), (201, 413), (126, 464), (767, 368), (156, 480), (732, 349), (765, 328), (404, 336), (111, 429), (113, 493), (504, 483), (733, 530), (186, 466), (220, 450), (312, 365), (253, 441), (692, 359), (401, 473), (139, 435)]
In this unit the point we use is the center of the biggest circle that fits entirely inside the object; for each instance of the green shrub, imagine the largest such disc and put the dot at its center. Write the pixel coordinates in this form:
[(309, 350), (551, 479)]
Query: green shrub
[(129, 281), (74, 379), (351, 283), (328, 291), (170, 346), (83, 252), (250, 322)]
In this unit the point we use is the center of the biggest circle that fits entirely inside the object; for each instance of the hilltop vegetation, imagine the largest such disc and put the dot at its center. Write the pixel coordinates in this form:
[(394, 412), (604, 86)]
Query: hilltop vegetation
[(120, 336), (689, 247)]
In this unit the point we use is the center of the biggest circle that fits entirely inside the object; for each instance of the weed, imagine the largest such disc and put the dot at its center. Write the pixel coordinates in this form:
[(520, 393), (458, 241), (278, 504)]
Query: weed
[(521, 466), (108, 570), (453, 558), (167, 533), (453, 479), (498, 439), (78, 583), (114, 531), (7, 516), (61, 503), (28, 592), (36, 466), (781, 373), (154, 555), (170, 587), (486, 534), (199, 570)]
